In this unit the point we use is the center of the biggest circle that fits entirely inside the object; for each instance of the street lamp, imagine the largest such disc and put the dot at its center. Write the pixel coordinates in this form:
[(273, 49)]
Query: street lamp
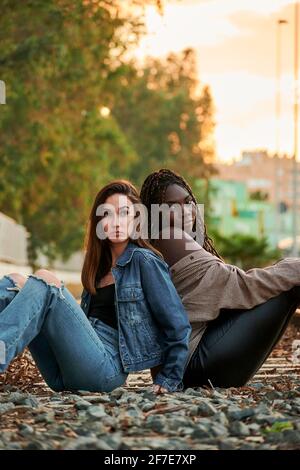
[(296, 116), (277, 166)]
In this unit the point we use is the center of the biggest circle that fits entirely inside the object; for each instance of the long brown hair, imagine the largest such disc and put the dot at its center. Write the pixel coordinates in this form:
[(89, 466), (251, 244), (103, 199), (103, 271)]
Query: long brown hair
[(97, 260), (153, 192)]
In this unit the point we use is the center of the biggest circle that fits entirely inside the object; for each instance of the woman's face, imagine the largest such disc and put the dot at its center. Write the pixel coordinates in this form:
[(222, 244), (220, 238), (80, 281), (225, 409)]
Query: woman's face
[(117, 218), (176, 195)]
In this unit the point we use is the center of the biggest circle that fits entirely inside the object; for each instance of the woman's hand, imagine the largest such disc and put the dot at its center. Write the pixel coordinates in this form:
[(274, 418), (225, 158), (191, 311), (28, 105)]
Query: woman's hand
[(158, 389)]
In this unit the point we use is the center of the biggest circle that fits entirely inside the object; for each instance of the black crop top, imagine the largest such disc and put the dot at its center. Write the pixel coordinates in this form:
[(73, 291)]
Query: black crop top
[(102, 305)]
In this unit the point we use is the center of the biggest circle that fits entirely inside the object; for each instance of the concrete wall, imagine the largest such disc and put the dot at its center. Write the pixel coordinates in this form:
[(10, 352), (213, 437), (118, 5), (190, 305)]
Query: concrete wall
[(13, 254)]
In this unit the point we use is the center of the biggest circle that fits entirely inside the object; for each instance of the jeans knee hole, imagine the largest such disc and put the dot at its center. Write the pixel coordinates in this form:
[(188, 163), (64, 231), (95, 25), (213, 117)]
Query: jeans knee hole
[(50, 284), (15, 285)]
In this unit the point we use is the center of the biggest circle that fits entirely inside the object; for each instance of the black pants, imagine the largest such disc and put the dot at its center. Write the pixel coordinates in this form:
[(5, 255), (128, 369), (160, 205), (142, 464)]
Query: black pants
[(236, 344)]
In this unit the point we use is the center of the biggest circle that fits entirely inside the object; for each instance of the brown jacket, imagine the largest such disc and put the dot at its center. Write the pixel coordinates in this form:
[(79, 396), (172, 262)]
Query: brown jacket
[(206, 284)]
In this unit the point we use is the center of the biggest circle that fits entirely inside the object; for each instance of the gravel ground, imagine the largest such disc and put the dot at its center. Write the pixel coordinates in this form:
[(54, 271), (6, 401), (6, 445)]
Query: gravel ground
[(263, 415)]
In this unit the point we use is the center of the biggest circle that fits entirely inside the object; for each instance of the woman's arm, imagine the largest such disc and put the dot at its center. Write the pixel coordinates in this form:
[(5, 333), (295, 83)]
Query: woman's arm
[(171, 316), (225, 285)]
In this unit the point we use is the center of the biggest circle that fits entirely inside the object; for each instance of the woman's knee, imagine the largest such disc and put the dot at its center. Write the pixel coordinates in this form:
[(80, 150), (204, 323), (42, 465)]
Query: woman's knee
[(48, 276), (18, 278)]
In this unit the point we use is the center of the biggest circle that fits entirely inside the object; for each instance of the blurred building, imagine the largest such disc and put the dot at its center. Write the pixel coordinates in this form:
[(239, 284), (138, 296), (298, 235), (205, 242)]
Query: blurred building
[(13, 241), (268, 182), (233, 210), (13, 253), (262, 172)]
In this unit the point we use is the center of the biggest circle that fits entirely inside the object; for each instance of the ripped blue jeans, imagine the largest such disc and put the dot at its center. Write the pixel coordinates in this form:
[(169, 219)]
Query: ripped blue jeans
[(72, 351)]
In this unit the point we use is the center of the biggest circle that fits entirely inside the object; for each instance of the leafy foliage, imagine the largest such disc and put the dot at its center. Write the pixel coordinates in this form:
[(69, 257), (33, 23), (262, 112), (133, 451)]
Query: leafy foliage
[(56, 149), (245, 251), (167, 117), (64, 62)]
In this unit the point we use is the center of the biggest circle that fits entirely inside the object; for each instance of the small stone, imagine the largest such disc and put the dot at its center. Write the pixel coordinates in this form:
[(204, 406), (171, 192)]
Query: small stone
[(200, 432), (82, 443), (29, 401), (99, 428), (147, 406), (17, 397), (219, 430), (254, 427), (103, 398), (149, 395), (118, 392), (291, 436), (47, 418), (269, 419), (247, 446), (273, 395), (193, 410), (156, 423), (191, 391), (258, 385), (4, 407), (226, 445), (114, 441), (236, 414), (96, 411), (14, 446), (238, 428), (25, 429), (221, 418), (35, 445), (82, 405), (206, 409)]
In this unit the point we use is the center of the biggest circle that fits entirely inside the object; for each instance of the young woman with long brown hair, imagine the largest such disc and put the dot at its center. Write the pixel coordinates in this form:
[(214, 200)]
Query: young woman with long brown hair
[(130, 318)]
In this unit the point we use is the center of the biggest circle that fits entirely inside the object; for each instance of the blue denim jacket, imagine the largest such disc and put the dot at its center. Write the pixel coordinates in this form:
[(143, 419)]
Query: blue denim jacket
[(153, 325)]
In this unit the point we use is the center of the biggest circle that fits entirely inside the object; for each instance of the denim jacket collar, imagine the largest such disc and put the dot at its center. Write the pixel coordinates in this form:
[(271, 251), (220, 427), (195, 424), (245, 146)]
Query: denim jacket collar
[(126, 256)]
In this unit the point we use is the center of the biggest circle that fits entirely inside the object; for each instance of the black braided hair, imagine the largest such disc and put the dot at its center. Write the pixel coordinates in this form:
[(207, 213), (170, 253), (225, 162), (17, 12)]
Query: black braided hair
[(153, 192)]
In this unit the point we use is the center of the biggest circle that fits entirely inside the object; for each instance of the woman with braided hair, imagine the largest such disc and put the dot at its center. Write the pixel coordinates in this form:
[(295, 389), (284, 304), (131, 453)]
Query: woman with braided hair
[(237, 316)]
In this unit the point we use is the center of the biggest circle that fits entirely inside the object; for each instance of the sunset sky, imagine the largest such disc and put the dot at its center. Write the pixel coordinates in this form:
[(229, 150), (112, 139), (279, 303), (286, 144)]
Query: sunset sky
[(236, 47)]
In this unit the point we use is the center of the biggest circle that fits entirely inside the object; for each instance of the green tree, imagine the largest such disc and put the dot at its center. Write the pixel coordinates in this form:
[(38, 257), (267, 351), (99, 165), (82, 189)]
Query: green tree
[(245, 251), (61, 63), (167, 116), (259, 195)]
